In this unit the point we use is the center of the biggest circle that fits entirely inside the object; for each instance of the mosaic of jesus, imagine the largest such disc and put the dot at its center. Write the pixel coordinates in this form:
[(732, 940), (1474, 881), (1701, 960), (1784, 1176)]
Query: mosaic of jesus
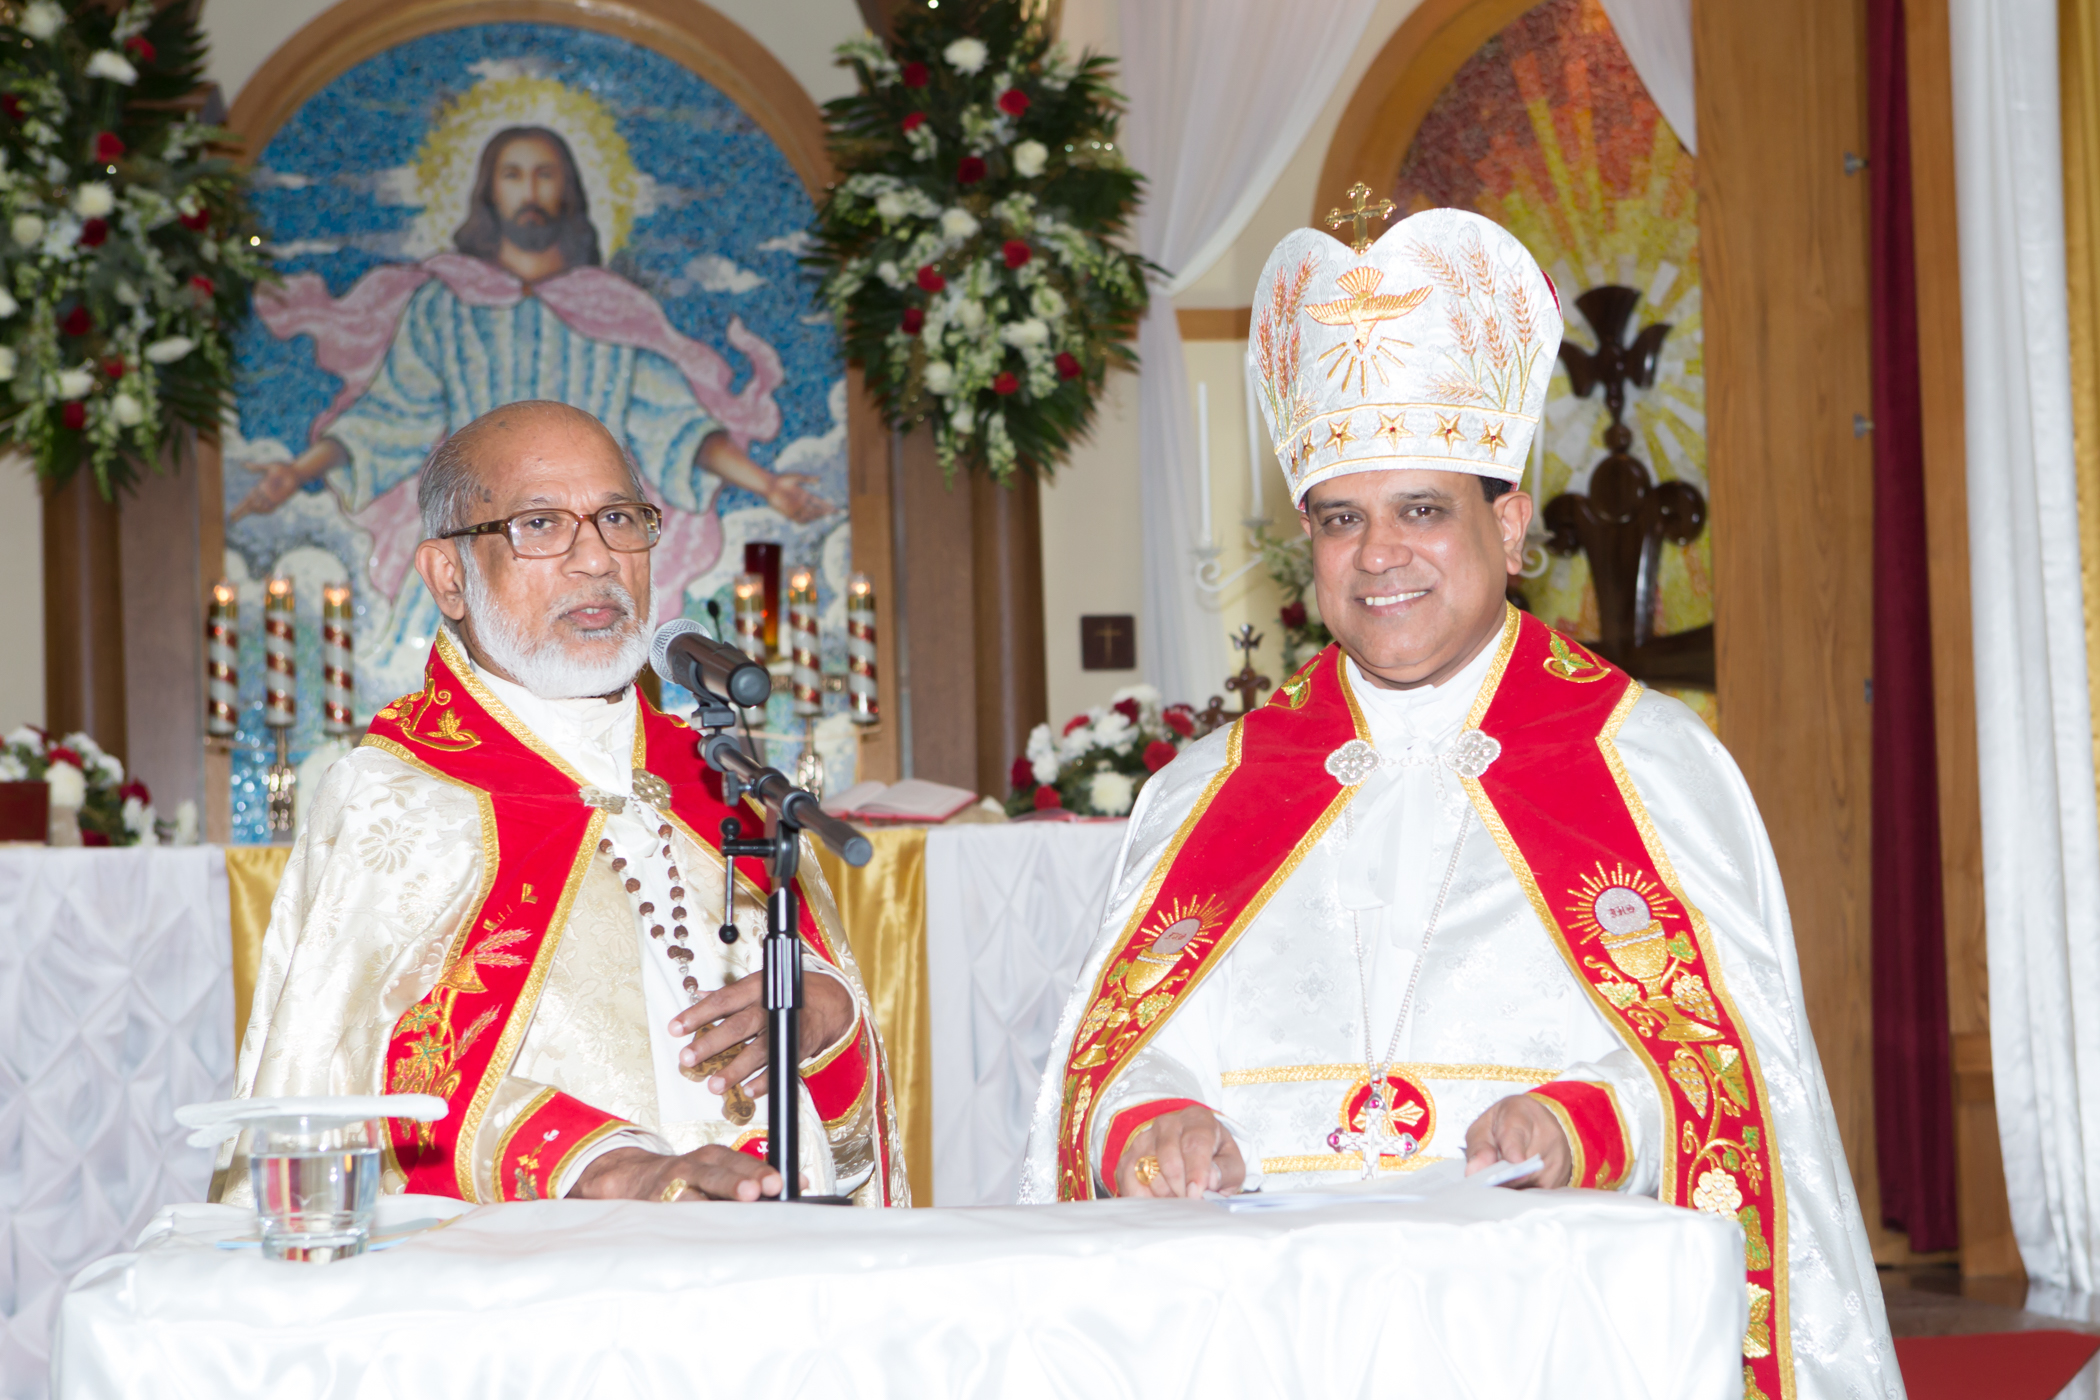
[(529, 237)]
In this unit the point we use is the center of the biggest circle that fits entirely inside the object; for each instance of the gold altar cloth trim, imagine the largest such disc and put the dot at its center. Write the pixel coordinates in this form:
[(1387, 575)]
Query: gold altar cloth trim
[(883, 908), (1346, 1074), (1339, 1161), (252, 876)]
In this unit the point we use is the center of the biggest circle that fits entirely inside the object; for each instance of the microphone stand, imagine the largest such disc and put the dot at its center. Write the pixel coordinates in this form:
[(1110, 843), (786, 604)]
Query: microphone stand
[(794, 810)]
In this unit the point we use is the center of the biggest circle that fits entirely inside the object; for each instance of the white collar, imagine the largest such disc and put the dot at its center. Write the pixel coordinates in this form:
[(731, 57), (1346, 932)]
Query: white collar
[(592, 735), (1397, 717)]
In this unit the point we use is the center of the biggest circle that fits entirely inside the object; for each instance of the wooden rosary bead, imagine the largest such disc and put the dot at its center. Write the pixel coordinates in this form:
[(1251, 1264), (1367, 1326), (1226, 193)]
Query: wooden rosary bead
[(664, 831), (673, 873), (678, 954), (678, 892), (646, 909), (633, 884), (619, 862), (679, 912), (605, 846), (679, 932), (656, 930), (692, 984)]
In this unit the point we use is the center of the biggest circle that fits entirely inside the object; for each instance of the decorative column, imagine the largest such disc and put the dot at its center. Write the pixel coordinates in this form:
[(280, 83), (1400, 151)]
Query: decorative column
[(861, 689), (222, 656), (280, 696), (337, 686), (802, 643)]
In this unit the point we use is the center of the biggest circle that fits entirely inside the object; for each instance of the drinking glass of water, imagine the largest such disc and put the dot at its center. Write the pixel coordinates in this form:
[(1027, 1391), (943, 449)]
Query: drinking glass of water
[(316, 1179)]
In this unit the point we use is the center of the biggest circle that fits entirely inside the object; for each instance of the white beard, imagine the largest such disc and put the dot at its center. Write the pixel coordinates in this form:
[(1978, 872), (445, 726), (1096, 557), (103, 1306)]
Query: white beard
[(549, 669)]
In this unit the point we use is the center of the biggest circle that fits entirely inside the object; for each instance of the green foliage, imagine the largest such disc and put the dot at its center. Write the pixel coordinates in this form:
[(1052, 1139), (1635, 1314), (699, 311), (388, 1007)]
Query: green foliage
[(1288, 562), (971, 247), (127, 247)]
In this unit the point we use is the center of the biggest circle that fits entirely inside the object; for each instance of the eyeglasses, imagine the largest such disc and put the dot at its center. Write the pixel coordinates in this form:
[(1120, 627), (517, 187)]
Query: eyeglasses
[(627, 527)]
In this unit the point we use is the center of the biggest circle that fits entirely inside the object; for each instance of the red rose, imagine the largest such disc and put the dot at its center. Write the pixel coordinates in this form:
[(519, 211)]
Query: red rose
[(1017, 253), (914, 120), (77, 321), (1128, 709), (930, 279), (108, 147), (915, 74), (1158, 754), (94, 838), (1067, 365), (1293, 614), (1006, 383), (74, 416), (1046, 798), (1180, 718), (969, 170), (113, 368), (60, 753), (914, 319), (203, 286), (1023, 774), (11, 104), (132, 789), (197, 222), (141, 46), (1013, 102), (1076, 722), (94, 233)]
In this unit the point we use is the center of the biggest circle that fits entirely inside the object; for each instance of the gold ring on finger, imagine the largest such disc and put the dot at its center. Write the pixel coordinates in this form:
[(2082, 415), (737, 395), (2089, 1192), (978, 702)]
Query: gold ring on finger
[(1147, 1169), (678, 1187)]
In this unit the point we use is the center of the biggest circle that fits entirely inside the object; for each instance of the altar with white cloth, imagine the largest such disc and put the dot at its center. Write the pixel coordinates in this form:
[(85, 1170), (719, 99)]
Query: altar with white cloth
[(1468, 1291)]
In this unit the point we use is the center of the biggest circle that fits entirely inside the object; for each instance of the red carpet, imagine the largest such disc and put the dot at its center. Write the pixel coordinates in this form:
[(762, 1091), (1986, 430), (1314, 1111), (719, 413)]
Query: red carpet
[(1992, 1365)]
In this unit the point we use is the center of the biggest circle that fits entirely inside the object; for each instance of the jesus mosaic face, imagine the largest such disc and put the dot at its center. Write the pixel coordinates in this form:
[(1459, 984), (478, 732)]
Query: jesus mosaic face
[(528, 196)]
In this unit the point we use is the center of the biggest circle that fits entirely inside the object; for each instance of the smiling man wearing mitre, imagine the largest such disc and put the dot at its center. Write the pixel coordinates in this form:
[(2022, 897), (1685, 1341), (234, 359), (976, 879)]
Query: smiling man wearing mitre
[(1460, 889), (509, 895)]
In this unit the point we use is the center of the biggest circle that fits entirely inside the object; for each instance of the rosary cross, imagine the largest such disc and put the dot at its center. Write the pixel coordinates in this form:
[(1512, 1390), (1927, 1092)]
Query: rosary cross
[(1360, 213)]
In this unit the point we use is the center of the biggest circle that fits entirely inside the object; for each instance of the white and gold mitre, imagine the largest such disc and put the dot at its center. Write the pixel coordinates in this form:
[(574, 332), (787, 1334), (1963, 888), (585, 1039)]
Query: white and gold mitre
[(1431, 347)]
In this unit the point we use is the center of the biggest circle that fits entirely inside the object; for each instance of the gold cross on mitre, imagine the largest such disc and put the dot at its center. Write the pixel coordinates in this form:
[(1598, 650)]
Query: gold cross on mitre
[(1360, 213)]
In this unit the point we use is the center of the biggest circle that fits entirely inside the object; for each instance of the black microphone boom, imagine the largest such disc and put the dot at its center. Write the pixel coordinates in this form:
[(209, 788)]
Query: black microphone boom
[(772, 788), (683, 654)]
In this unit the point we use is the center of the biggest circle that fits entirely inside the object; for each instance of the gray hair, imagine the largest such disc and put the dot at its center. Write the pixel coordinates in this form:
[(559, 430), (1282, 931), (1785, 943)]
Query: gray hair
[(445, 489)]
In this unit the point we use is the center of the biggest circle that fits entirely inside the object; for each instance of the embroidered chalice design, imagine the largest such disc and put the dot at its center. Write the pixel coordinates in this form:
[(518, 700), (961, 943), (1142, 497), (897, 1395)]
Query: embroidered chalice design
[(1619, 915)]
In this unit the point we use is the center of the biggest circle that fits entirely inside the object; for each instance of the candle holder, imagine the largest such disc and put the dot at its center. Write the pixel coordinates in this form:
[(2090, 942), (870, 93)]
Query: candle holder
[(280, 697), (222, 681), (809, 764), (808, 682), (861, 689), (336, 682), (1209, 572)]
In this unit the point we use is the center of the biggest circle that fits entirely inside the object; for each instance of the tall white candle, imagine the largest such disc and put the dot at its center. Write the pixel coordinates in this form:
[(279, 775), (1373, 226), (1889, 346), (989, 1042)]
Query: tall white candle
[(807, 679), (1203, 456), (280, 656), (1256, 451), (860, 649), (222, 661), (751, 616), (335, 659)]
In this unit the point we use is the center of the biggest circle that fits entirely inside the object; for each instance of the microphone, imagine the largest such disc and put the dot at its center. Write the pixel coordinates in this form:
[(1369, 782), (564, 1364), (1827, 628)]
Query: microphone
[(772, 787), (684, 654)]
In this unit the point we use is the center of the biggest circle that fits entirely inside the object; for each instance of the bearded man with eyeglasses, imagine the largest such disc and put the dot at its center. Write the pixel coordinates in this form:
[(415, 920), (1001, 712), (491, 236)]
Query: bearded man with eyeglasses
[(510, 894)]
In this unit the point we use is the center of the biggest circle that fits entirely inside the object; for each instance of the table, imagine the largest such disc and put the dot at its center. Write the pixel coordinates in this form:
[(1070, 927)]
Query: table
[(1473, 1292)]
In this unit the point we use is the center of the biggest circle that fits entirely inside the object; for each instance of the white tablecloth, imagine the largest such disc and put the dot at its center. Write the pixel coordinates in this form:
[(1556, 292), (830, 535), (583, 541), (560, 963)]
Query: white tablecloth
[(116, 1005), (1477, 1293), (1010, 913)]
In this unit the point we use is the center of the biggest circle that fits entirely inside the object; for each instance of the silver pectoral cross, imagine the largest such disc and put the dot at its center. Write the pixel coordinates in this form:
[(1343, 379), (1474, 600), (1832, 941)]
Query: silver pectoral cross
[(1377, 1141)]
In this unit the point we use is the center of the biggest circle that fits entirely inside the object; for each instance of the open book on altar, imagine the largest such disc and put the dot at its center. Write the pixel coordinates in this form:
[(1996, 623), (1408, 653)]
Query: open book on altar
[(913, 800)]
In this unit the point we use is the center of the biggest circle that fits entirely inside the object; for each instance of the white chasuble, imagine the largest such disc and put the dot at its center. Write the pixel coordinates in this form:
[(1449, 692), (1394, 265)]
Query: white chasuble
[(1276, 1038)]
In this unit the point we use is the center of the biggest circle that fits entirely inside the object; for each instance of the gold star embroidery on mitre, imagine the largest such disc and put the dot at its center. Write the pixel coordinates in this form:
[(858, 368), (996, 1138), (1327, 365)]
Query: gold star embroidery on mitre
[(1392, 426), (1492, 438), (1339, 436), (1448, 429)]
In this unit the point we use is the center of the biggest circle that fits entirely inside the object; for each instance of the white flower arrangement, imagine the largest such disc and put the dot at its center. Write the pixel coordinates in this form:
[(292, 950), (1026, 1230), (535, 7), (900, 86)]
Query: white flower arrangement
[(1099, 762), (87, 779)]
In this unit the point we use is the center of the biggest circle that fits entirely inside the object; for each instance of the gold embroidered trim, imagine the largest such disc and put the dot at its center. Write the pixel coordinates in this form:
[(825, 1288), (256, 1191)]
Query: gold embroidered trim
[(1348, 1074), (463, 668), (1578, 1162), (1608, 745), (1341, 1161), (517, 1120), (595, 1135)]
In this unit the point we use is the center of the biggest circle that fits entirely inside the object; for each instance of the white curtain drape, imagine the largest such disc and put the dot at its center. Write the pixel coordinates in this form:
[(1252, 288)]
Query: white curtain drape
[(1222, 92), (2041, 835), (1657, 37)]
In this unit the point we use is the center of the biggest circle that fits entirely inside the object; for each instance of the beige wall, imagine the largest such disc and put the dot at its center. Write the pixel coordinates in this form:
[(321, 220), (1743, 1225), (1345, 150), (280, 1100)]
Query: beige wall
[(22, 584)]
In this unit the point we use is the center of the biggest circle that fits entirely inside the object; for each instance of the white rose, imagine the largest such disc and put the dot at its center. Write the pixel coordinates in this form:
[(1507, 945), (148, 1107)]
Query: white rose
[(1021, 333), (1112, 730), (1045, 769), (167, 352), (1029, 158), (26, 738), (890, 205), (107, 63), (940, 377), (890, 275), (1041, 744), (74, 383), (962, 422), (1146, 696), (186, 824), (8, 305), (966, 55), (134, 816), (12, 769), (127, 410), (8, 364), (42, 20), (94, 200), (127, 294), (1111, 793), (68, 785), (970, 315), (958, 223), (27, 229), (1046, 303)]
